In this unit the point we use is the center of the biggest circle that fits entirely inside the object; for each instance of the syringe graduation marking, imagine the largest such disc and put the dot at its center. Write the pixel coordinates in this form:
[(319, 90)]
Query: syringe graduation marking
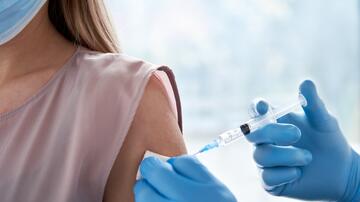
[(253, 124)]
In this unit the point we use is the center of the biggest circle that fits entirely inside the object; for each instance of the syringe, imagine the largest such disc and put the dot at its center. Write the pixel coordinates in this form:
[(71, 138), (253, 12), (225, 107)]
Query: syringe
[(252, 125)]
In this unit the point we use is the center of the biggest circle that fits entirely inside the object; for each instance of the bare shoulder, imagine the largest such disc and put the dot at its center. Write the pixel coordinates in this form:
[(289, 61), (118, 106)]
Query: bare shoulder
[(156, 122), (154, 128)]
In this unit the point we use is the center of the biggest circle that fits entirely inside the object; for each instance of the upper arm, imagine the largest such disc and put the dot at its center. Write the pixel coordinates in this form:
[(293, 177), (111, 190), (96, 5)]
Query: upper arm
[(154, 128)]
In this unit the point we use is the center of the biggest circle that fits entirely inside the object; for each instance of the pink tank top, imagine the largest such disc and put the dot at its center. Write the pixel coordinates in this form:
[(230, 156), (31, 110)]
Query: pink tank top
[(61, 143)]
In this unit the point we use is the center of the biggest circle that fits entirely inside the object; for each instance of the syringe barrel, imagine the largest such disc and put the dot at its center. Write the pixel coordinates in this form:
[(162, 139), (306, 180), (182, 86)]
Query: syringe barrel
[(229, 136), (273, 114), (253, 124), (280, 112), (260, 121)]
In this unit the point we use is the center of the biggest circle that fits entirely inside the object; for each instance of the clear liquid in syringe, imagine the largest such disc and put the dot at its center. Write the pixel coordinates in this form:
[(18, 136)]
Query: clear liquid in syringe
[(252, 125)]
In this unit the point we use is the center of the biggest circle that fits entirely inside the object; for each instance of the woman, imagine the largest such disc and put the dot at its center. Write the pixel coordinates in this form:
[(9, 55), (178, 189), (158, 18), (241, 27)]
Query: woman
[(75, 116)]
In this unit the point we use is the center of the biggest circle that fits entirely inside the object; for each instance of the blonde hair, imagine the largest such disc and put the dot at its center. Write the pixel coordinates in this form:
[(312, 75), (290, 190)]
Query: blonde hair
[(84, 22)]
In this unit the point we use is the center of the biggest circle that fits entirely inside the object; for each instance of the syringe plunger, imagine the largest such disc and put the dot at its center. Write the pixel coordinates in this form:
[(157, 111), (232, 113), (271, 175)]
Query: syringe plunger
[(252, 125)]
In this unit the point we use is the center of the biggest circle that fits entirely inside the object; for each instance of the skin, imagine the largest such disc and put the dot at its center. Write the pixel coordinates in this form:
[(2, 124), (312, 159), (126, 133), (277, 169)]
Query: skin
[(43, 51), (29, 60), (155, 129)]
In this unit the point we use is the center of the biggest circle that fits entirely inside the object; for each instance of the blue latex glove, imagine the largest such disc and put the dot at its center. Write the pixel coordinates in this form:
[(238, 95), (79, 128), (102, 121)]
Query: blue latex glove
[(306, 156), (180, 179)]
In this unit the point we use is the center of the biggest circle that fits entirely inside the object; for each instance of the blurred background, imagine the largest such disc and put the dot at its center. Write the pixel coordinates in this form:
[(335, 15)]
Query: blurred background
[(225, 53)]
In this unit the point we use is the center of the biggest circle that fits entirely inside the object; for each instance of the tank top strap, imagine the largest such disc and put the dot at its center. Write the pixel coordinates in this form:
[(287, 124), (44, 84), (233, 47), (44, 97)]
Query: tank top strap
[(167, 77)]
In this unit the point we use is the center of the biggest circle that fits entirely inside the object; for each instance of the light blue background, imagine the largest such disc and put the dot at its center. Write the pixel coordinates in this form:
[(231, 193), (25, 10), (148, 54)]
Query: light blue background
[(224, 53)]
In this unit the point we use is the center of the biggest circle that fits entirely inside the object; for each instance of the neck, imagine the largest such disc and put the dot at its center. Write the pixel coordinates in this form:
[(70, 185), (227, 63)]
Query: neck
[(39, 46)]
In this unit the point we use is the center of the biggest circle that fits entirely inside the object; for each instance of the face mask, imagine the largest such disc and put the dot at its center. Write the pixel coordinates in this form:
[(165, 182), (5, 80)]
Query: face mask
[(15, 15)]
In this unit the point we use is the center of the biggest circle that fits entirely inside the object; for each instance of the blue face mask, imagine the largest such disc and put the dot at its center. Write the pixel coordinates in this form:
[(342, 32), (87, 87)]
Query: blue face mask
[(15, 15)]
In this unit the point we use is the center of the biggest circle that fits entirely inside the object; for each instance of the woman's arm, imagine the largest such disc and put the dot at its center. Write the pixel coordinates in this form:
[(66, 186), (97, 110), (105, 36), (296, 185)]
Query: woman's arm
[(154, 128)]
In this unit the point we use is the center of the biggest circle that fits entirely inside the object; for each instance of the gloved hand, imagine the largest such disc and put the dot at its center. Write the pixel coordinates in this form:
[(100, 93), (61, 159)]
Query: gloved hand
[(306, 156), (180, 179)]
